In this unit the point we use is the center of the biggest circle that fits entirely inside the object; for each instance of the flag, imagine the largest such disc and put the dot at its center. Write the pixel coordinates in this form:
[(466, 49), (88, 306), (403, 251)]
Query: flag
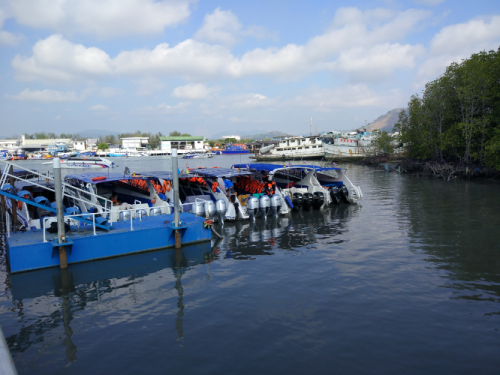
[(248, 166), (334, 163), (290, 163)]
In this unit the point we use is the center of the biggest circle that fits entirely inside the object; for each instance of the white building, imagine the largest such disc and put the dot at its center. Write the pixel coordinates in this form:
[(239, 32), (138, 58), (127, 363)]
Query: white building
[(183, 144), (79, 145), (237, 137), (134, 142), (6, 144), (91, 143)]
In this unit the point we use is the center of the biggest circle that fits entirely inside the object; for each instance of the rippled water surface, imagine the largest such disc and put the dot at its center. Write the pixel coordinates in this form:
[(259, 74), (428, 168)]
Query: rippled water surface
[(407, 281)]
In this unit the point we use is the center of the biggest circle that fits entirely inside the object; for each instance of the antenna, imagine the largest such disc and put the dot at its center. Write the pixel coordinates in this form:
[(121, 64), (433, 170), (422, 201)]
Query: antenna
[(311, 127)]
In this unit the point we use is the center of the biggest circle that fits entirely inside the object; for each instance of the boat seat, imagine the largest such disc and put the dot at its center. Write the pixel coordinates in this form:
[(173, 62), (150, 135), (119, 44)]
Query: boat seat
[(73, 211), (42, 200), (22, 193)]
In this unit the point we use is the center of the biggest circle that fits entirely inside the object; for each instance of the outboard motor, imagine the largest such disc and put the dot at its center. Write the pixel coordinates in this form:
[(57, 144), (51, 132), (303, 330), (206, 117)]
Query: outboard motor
[(210, 210), (141, 213), (198, 208), (308, 201), (264, 206), (318, 200), (297, 201), (124, 215), (275, 204), (335, 195), (252, 206), (154, 211), (221, 208), (344, 193)]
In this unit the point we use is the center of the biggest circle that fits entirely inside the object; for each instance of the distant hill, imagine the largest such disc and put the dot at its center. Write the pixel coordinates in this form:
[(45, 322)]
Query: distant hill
[(385, 122), (269, 135)]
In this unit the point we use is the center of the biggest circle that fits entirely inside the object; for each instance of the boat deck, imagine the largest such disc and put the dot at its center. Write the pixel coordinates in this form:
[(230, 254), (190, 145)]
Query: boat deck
[(27, 251)]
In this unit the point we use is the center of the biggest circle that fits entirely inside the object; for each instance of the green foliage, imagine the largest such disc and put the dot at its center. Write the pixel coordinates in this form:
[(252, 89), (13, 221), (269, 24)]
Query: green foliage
[(102, 146), (458, 115), (175, 133), (383, 143)]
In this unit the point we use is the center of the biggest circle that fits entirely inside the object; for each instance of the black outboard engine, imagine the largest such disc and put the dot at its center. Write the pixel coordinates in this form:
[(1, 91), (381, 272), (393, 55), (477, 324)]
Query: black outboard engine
[(344, 193), (335, 195), (318, 200), (308, 201), (297, 201)]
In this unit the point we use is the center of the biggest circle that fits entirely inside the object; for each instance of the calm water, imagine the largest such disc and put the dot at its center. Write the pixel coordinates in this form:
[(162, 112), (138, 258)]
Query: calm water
[(408, 281)]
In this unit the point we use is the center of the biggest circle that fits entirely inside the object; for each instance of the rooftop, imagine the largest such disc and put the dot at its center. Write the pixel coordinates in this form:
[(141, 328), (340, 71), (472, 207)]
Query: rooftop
[(182, 138)]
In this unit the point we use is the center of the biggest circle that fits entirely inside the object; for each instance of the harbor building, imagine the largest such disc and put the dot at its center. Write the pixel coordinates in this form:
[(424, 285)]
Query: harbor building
[(183, 144), (135, 142)]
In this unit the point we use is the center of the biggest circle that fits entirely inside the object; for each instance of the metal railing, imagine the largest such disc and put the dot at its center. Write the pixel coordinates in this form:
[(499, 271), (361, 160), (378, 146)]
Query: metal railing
[(6, 174)]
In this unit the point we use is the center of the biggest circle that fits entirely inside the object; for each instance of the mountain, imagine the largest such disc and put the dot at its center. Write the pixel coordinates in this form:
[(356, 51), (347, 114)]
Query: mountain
[(385, 122), (269, 135)]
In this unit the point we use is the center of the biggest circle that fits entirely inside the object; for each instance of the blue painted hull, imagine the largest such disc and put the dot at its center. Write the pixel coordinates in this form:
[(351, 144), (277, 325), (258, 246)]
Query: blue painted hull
[(26, 251), (235, 152)]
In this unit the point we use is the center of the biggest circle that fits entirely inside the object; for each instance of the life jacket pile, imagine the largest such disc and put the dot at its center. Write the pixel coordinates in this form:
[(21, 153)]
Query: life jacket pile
[(143, 185), (249, 185)]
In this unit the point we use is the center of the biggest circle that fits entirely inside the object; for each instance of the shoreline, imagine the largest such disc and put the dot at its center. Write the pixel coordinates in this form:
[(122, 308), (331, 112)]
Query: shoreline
[(432, 168)]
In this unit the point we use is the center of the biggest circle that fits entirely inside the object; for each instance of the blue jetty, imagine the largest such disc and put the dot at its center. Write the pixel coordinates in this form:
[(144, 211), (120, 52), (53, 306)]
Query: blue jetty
[(136, 213)]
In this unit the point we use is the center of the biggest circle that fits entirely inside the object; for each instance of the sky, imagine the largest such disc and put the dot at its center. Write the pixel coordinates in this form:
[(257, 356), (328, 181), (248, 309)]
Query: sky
[(206, 67)]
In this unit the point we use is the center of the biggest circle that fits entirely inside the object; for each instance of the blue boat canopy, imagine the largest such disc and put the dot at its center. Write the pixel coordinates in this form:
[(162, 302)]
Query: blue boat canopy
[(110, 177), (219, 172), (271, 167)]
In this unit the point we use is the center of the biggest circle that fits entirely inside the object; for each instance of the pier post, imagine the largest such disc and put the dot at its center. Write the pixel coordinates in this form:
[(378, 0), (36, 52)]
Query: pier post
[(61, 234), (13, 201), (175, 178)]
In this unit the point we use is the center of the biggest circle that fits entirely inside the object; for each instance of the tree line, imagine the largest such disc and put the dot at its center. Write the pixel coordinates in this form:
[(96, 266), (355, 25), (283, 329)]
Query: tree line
[(457, 117)]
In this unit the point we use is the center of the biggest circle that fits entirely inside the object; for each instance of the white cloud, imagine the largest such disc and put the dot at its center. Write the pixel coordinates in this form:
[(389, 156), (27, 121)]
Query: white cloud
[(99, 107), (103, 18), (456, 42), (56, 59), (193, 91), (378, 62), (223, 27), (353, 36), (163, 108), (350, 96), (246, 101), (58, 117), (47, 96), (7, 38)]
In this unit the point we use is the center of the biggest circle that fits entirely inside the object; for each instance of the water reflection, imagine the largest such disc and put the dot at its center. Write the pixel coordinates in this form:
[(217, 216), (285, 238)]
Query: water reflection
[(245, 240), (46, 300), (448, 223)]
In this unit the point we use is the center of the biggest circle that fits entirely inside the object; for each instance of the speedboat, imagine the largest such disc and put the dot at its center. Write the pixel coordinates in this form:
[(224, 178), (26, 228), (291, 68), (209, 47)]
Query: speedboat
[(85, 162), (309, 186), (241, 191), (198, 155)]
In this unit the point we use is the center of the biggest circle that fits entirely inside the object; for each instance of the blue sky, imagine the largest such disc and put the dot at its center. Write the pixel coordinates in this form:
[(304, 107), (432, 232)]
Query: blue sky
[(209, 66)]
